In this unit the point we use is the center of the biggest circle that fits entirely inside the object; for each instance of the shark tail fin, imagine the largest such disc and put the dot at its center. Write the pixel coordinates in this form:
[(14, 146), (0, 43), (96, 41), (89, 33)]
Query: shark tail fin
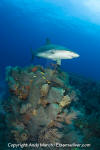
[(58, 62), (32, 54)]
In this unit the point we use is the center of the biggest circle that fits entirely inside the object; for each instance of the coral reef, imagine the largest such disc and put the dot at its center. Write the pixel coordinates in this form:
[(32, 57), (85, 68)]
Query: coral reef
[(89, 104), (24, 108), (49, 135), (66, 100), (49, 106), (37, 105), (44, 89)]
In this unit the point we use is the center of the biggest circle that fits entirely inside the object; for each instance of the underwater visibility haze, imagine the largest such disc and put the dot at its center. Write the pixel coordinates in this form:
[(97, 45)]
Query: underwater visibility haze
[(50, 74), (73, 24)]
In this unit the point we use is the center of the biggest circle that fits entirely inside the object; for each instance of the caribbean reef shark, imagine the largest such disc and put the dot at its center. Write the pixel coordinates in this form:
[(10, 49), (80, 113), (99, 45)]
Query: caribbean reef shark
[(54, 52)]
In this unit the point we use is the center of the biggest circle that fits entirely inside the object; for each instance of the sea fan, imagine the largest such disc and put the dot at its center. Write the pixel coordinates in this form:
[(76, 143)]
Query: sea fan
[(70, 117), (49, 135)]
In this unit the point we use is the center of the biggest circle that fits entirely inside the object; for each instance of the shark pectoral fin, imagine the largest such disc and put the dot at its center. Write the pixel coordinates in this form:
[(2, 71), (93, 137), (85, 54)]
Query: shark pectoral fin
[(58, 61)]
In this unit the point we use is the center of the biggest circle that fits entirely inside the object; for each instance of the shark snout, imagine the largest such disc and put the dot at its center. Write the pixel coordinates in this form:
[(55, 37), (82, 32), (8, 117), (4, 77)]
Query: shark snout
[(74, 55), (77, 55)]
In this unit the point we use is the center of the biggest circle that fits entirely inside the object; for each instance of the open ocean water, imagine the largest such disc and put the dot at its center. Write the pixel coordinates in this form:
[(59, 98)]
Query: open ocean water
[(76, 25)]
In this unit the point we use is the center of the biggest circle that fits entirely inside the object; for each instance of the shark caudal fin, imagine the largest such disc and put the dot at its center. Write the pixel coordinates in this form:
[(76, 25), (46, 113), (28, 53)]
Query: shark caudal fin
[(48, 41), (32, 54)]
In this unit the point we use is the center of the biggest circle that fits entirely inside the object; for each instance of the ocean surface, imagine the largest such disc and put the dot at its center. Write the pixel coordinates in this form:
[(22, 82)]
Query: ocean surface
[(25, 24)]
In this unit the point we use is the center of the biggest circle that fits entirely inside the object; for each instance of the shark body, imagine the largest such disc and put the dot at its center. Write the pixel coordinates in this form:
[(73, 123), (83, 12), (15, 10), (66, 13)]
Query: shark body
[(55, 52)]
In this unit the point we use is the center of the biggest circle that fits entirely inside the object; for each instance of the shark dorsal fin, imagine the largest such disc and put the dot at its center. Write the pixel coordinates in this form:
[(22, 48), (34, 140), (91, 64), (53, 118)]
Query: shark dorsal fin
[(48, 41)]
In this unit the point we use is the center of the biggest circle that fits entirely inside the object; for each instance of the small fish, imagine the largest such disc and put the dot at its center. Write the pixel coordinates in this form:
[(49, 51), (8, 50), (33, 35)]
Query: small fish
[(42, 73), (48, 82), (43, 77), (34, 76)]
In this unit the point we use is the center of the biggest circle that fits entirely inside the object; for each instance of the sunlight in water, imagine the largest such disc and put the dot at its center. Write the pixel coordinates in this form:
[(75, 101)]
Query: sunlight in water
[(93, 5), (88, 10)]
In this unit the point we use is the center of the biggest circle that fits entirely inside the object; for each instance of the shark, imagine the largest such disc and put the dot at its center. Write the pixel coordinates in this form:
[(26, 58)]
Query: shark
[(54, 52)]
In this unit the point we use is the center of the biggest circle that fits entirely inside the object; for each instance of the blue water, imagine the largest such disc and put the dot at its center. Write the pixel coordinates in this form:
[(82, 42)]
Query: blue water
[(74, 24)]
